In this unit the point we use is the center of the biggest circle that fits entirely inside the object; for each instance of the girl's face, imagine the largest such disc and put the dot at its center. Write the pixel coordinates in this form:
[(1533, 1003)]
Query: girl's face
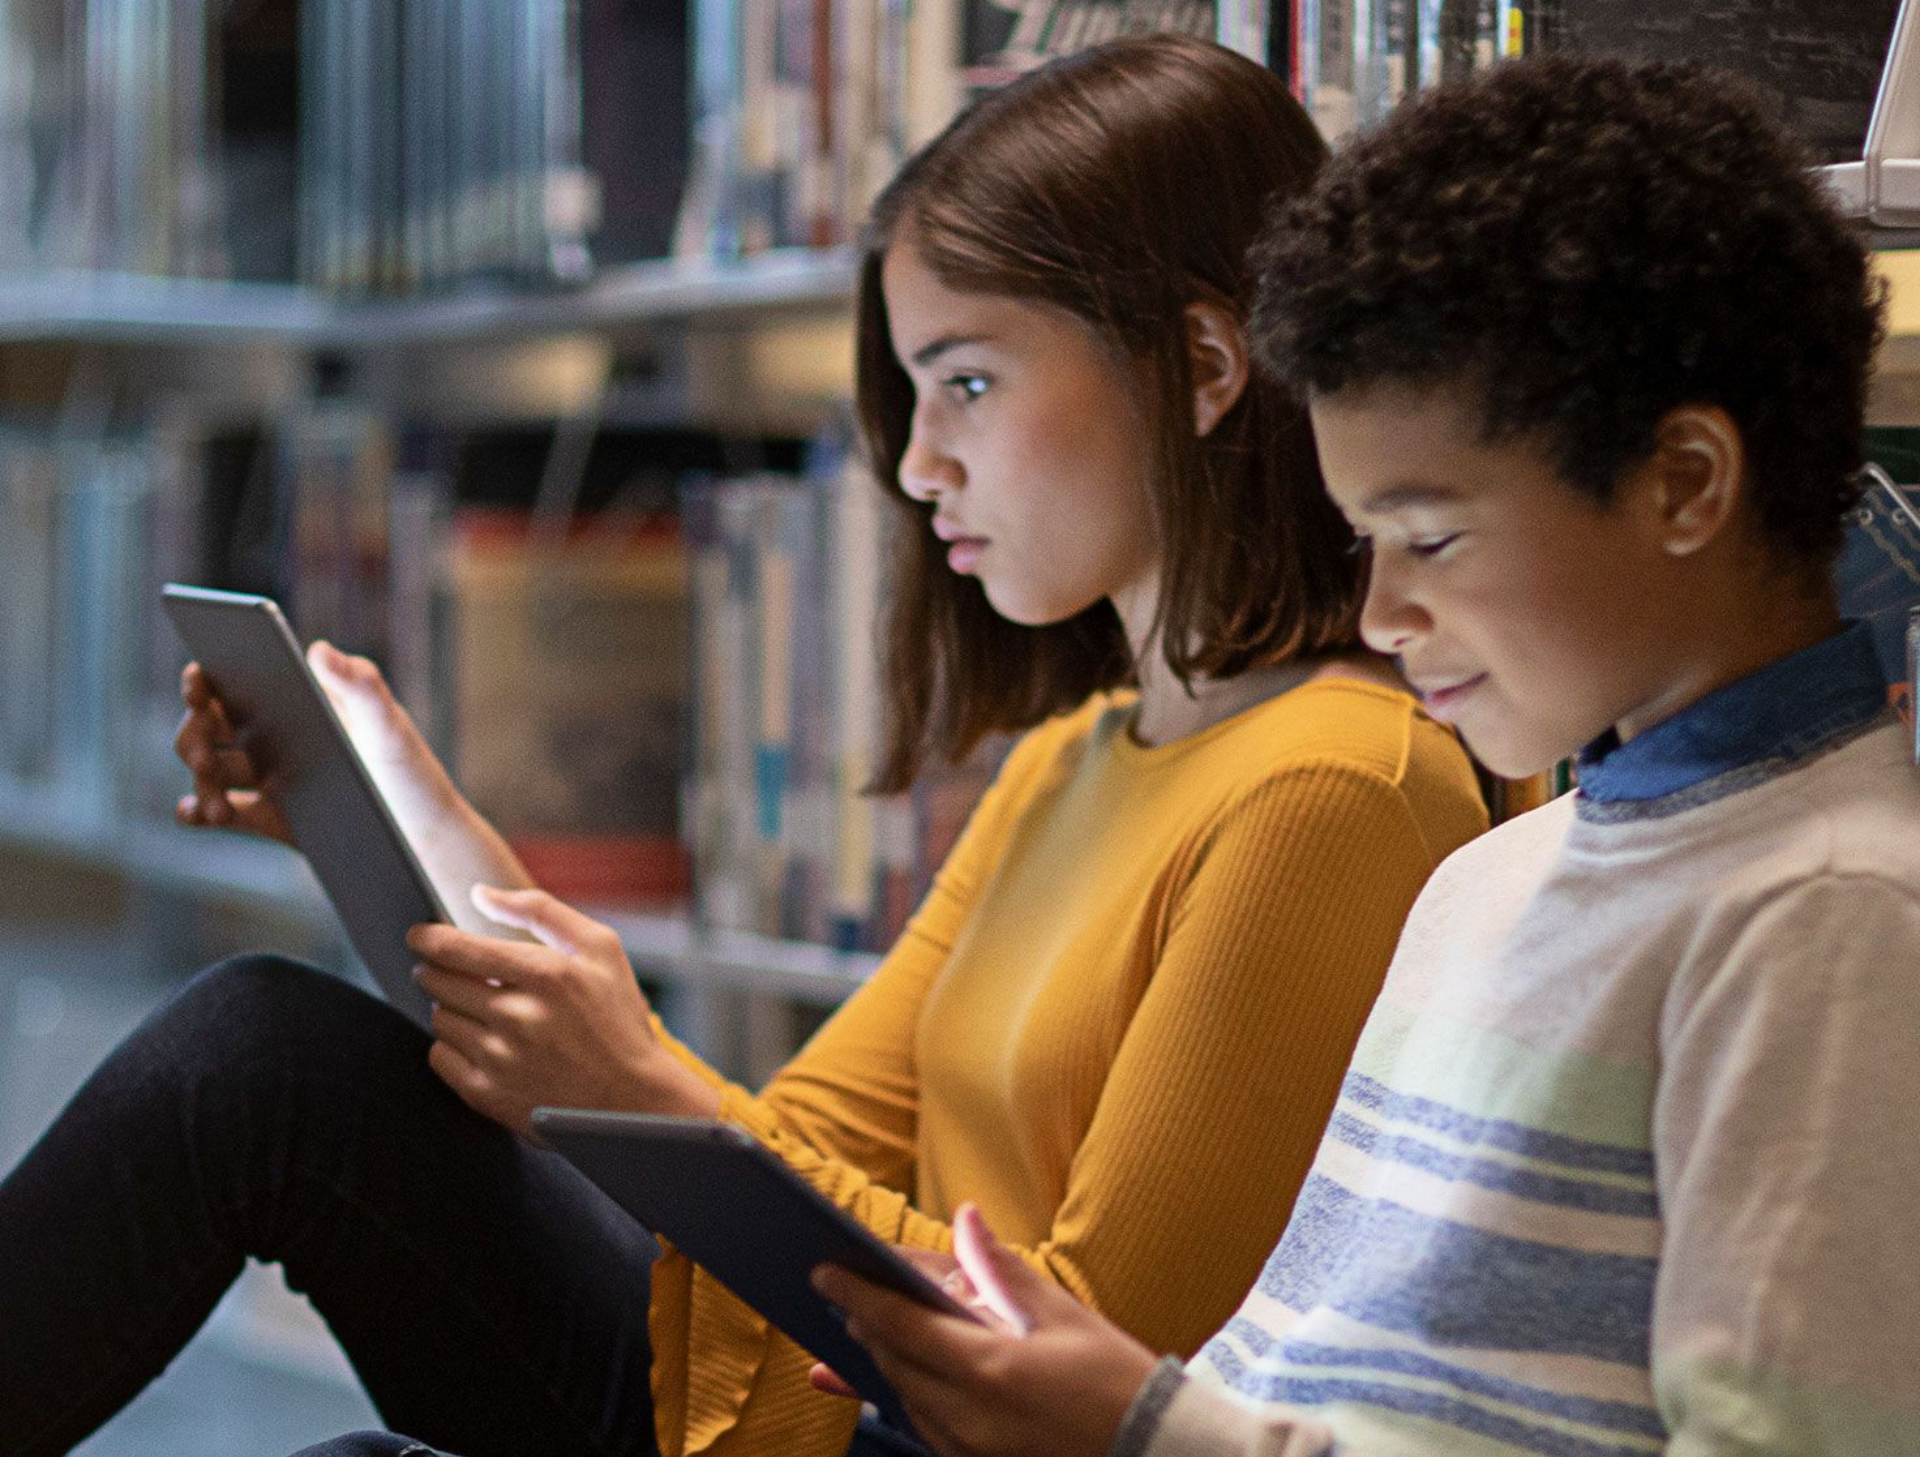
[(1028, 444)]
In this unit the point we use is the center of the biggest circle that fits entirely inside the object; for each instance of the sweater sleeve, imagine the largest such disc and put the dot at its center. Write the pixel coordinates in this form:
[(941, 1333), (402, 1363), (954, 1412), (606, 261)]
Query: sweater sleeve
[(1220, 1088), (1784, 1307)]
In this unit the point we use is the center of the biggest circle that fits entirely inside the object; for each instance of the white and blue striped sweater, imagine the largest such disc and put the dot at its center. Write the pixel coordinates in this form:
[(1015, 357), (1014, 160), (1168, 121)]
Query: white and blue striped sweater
[(1627, 1158)]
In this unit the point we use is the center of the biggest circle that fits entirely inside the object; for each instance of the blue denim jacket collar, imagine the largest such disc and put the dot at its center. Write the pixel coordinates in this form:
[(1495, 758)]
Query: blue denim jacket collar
[(1750, 730)]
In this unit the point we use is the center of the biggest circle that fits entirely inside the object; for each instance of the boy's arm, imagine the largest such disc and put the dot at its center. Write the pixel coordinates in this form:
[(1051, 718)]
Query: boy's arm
[(1789, 1177)]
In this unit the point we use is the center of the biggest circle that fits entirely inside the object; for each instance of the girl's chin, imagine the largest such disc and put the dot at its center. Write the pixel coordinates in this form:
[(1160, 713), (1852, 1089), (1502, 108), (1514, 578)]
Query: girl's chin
[(1025, 611)]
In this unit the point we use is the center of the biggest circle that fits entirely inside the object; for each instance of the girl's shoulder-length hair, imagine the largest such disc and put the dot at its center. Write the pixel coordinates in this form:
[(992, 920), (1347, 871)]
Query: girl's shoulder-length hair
[(1122, 184)]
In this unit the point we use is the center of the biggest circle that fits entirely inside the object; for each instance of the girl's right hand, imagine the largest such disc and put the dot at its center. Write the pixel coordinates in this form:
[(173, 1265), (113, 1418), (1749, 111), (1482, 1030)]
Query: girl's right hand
[(227, 789), (227, 792)]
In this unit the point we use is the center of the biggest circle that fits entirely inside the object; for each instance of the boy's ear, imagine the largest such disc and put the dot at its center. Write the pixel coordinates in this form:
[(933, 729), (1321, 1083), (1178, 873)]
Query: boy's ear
[(1217, 352), (1695, 483)]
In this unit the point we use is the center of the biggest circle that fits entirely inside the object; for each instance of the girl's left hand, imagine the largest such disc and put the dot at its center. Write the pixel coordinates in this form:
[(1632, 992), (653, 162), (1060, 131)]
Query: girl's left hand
[(562, 1023), (1042, 1373)]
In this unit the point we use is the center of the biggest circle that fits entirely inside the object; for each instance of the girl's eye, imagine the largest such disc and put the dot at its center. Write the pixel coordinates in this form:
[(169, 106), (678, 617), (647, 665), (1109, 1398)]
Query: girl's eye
[(967, 386), (1431, 545)]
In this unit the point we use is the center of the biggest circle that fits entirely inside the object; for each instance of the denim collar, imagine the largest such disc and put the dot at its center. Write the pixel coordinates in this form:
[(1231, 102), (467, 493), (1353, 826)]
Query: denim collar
[(1749, 731)]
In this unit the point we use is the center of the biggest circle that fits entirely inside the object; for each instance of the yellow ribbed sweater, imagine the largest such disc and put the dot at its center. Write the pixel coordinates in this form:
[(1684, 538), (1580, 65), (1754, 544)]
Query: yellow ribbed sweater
[(1118, 1023)]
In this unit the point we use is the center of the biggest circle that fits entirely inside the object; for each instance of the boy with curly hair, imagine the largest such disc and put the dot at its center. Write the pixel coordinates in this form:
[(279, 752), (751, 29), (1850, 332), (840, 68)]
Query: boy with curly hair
[(1620, 1163)]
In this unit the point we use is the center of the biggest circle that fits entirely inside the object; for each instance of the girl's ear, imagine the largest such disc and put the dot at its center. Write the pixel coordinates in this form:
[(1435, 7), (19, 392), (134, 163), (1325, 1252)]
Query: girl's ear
[(1217, 352)]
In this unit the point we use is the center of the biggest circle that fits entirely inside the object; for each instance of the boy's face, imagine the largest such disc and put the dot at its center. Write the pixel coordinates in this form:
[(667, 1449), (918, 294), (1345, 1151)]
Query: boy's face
[(1524, 612)]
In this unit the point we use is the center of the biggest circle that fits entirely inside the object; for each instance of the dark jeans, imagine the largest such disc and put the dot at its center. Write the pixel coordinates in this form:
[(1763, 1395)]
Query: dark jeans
[(490, 1298), (874, 1439)]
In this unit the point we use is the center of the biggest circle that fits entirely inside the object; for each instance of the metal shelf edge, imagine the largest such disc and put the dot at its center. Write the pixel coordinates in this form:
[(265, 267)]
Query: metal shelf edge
[(203, 863), (133, 309)]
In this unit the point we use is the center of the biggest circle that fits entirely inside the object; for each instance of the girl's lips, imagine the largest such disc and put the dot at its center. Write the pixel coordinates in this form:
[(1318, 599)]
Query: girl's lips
[(964, 553), (1444, 703)]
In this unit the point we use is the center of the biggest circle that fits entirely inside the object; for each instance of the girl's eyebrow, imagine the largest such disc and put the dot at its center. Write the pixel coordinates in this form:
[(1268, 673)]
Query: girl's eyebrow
[(927, 353)]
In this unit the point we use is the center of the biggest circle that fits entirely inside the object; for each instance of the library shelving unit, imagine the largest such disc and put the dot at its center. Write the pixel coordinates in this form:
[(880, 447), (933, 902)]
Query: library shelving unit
[(80, 312), (755, 296), (131, 309), (224, 867)]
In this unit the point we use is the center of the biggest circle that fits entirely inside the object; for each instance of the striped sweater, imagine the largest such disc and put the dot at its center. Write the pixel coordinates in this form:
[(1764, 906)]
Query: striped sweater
[(1624, 1163)]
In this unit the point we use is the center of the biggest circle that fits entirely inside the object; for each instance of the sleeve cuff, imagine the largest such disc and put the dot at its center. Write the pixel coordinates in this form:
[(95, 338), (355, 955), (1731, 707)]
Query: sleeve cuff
[(1174, 1416), (1150, 1404)]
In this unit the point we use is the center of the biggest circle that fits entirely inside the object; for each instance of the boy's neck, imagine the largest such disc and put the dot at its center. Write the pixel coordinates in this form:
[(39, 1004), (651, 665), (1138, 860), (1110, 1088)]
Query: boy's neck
[(1740, 647)]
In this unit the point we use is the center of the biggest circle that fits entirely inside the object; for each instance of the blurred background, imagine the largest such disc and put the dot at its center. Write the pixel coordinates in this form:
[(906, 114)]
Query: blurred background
[(508, 341)]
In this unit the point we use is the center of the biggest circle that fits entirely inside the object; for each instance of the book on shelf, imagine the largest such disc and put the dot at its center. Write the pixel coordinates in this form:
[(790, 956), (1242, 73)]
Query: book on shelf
[(486, 142), (804, 109), (565, 660), (786, 841), (1353, 61), (146, 138)]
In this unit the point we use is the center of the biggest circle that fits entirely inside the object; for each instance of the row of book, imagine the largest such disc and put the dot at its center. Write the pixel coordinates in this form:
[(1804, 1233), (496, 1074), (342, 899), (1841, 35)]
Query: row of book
[(803, 109), (787, 594), (1817, 62), (656, 706), (440, 143), (108, 156)]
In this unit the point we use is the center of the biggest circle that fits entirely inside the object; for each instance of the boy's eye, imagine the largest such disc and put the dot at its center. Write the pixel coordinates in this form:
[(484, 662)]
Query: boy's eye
[(1362, 546), (967, 386)]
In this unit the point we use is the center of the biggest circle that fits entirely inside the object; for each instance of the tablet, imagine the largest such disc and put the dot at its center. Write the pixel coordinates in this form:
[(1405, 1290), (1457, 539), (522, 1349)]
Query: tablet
[(731, 1205), (340, 823)]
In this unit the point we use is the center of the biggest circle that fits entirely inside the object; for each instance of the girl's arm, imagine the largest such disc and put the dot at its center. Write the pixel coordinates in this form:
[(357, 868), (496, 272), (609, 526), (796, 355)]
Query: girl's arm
[(1216, 1097)]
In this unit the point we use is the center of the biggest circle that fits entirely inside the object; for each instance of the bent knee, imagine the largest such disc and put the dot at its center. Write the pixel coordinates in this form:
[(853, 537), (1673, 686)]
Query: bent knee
[(263, 999)]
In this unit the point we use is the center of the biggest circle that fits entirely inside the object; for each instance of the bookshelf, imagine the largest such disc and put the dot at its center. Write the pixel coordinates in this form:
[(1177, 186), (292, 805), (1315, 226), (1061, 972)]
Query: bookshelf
[(235, 869), (137, 309), (394, 345)]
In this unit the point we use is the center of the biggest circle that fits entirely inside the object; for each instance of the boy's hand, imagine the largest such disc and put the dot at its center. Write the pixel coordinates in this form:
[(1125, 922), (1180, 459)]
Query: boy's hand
[(560, 1022), (1045, 1375)]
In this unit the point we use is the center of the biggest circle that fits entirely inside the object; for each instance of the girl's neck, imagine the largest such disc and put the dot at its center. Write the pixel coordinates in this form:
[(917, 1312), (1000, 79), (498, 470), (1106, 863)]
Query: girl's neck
[(1168, 711)]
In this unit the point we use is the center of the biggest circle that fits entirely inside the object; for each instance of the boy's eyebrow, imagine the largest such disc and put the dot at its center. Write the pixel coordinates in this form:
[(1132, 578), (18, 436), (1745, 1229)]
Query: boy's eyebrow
[(1408, 496), (927, 353)]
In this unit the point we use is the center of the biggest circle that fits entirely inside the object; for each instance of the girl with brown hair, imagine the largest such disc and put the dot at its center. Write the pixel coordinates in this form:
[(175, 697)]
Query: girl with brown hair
[(1165, 921)]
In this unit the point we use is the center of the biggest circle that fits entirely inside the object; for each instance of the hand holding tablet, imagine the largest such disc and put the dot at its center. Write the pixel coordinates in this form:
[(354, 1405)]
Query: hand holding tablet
[(731, 1205), (315, 791)]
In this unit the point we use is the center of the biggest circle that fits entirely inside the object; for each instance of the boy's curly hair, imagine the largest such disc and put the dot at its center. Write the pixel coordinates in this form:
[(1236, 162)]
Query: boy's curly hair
[(1592, 243)]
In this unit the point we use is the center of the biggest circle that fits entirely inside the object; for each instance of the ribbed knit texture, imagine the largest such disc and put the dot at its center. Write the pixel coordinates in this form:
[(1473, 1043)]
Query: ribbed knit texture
[(1118, 1023)]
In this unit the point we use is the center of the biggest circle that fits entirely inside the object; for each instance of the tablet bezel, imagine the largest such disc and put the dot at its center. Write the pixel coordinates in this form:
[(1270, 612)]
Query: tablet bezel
[(725, 1201), (376, 882)]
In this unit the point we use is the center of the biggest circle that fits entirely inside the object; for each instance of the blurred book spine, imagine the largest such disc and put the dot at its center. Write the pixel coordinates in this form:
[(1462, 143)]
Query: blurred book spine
[(802, 110), (786, 599), (1353, 61), (486, 142), (566, 657)]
